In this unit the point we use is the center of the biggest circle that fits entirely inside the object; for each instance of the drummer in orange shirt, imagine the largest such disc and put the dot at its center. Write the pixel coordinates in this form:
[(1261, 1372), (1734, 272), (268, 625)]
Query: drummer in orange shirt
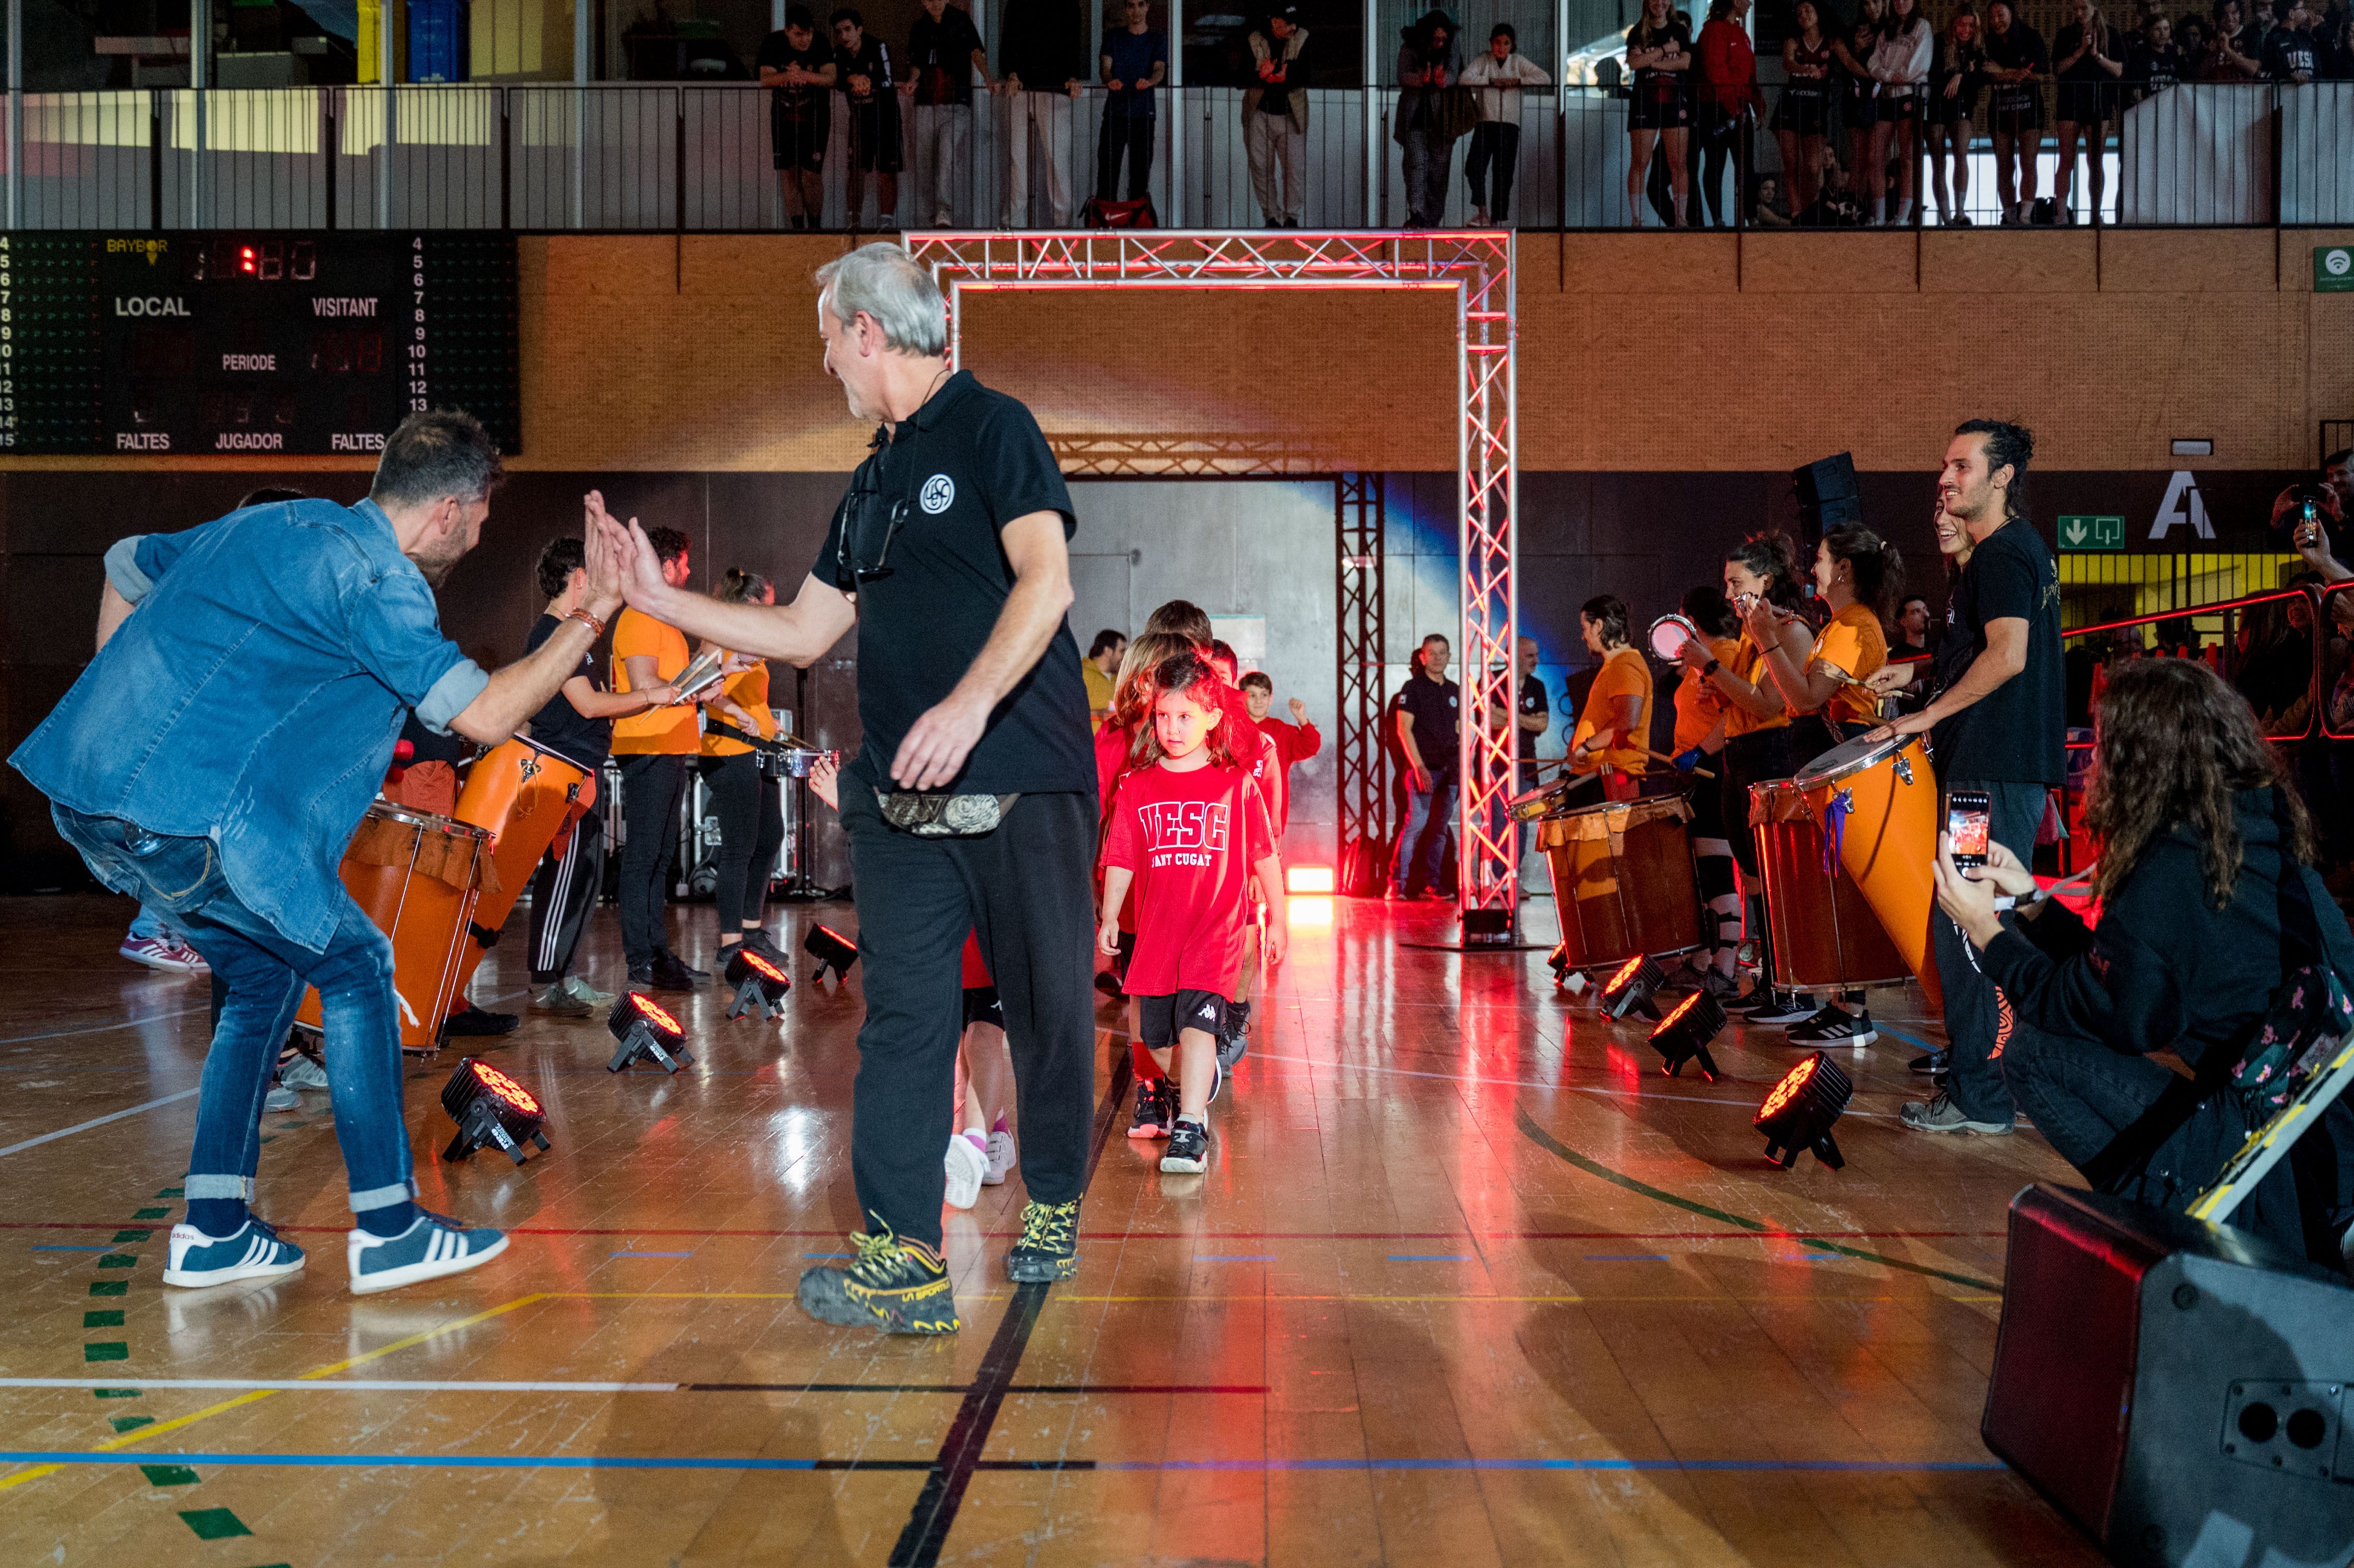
[(1699, 735), (1614, 723)]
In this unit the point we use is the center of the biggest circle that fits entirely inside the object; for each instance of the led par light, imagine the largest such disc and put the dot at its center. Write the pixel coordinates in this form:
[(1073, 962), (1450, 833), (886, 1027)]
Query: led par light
[(1684, 1034), (760, 986), (1631, 988), (641, 1026), (1798, 1114), (831, 949), (491, 1108)]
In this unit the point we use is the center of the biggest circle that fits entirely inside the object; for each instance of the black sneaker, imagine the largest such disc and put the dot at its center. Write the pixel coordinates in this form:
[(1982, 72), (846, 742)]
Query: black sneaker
[(642, 977), (1930, 1065), (1049, 1247), (1188, 1149), (1232, 1044), (898, 1286), (1783, 1011), (682, 963), (1834, 1026), (760, 942), (477, 1021), (1156, 1108), (1108, 983), (666, 973)]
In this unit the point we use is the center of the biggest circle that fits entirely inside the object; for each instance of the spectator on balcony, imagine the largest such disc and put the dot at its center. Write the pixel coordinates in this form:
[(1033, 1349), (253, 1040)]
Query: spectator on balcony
[(1837, 206), (1135, 63), (1427, 66), (800, 74), (1954, 83), (863, 75), (2087, 62), (1858, 102), (1041, 51), (1725, 103), (2017, 63), (1275, 116), (2289, 57), (2153, 64), (1765, 208), (1900, 62), (944, 50), (2232, 47), (2337, 478), (2334, 47), (1804, 113), (2190, 40), (1499, 77), (1659, 111)]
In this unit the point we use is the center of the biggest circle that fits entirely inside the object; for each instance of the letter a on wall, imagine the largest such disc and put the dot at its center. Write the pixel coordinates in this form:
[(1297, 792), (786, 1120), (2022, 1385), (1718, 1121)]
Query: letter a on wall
[(2173, 512)]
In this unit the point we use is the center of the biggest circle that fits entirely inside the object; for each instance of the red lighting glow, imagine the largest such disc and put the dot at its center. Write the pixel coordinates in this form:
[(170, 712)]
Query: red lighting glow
[(506, 1088), (763, 966), (246, 258), (1308, 879), (654, 1014), (1681, 1008), (1787, 1090), (1626, 973)]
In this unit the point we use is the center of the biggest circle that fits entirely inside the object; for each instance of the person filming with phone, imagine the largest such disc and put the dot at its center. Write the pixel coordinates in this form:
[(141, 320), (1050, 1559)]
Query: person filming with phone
[(1994, 730)]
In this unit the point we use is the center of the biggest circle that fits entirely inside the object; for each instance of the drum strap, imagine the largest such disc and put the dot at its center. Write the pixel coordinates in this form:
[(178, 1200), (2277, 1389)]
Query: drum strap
[(1835, 815)]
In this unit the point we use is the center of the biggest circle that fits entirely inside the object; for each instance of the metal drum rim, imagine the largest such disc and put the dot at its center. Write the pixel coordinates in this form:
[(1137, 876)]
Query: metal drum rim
[(1864, 761), (410, 816)]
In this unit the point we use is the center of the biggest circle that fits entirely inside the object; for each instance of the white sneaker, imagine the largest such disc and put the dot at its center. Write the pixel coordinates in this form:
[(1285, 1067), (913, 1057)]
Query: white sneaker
[(968, 1169), (428, 1249), (302, 1073), (252, 1251), (1003, 1157)]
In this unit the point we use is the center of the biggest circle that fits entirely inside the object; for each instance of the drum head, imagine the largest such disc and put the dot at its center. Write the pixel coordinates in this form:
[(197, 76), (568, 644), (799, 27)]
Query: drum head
[(1668, 635), (382, 810), (1530, 797), (1850, 757)]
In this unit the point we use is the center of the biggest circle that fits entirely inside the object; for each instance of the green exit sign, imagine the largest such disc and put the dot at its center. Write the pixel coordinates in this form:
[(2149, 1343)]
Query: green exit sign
[(2091, 532), (2333, 268)]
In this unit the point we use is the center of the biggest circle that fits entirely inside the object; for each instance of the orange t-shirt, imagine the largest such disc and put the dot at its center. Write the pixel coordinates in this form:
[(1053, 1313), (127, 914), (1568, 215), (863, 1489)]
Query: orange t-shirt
[(749, 690), (1623, 673), (658, 731), (1851, 645), (1699, 704), (1748, 662)]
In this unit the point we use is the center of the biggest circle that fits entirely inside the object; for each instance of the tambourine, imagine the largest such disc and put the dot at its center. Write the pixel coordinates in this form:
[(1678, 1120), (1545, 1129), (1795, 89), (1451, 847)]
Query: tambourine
[(1669, 633)]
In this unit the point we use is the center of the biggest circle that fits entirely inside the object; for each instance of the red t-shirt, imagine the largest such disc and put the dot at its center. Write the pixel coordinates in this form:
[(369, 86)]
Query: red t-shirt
[(976, 972), (1191, 838), (1294, 744)]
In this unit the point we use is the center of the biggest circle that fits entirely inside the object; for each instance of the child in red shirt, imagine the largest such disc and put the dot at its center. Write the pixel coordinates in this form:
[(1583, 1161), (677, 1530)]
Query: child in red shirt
[(1190, 833)]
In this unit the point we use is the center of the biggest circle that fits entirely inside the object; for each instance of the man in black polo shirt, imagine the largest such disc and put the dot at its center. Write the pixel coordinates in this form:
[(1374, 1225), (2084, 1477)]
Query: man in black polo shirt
[(1428, 711), (1998, 726), (972, 804)]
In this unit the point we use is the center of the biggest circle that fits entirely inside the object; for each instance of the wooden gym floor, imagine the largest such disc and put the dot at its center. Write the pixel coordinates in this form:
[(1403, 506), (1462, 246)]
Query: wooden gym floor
[(1468, 1282)]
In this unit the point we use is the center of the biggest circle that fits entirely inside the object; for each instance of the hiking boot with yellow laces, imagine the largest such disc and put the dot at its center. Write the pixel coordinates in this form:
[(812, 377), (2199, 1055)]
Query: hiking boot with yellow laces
[(1049, 1247), (899, 1287)]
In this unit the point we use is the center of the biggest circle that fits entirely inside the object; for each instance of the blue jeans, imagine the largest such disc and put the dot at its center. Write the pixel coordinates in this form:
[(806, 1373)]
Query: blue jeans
[(182, 881), (150, 925), (1413, 863)]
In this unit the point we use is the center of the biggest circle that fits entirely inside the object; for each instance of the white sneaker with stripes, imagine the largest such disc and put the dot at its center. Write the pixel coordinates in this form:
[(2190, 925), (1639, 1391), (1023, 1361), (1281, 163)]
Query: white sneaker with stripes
[(428, 1249), (252, 1251)]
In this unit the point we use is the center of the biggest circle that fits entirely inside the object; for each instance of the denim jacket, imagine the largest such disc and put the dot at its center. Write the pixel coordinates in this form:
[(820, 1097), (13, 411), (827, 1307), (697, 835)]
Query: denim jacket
[(254, 694)]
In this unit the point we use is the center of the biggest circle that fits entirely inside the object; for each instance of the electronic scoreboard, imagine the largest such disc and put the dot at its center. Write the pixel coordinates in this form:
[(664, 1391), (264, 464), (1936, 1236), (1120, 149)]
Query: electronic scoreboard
[(309, 344)]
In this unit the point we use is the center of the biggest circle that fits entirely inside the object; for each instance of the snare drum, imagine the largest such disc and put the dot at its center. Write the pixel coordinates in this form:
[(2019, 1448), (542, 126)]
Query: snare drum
[(1825, 935), (417, 877), (525, 797), (1622, 880), (793, 761), (1877, 801)]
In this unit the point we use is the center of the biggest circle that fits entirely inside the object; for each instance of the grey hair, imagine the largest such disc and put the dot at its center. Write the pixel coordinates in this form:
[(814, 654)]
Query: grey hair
[(882, 280)]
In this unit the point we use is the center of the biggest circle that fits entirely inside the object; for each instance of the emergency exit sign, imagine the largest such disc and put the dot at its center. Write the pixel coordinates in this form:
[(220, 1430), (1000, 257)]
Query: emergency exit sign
[(2082, 533), (2333, 268)]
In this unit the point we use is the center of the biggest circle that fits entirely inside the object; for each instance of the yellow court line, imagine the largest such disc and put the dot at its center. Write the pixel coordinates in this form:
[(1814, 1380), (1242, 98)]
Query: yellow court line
[(176, 1423)]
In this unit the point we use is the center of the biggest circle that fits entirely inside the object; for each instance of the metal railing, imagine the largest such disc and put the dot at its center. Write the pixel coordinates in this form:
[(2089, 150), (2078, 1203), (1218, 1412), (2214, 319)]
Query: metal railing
[(649, 157)]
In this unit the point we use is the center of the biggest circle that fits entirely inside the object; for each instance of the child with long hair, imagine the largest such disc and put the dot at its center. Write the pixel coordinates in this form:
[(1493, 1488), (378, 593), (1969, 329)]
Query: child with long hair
[(1188, 832)]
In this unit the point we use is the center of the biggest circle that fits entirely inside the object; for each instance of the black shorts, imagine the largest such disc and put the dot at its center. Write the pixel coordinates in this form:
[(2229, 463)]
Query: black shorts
[(1939, 109), (1160, 1018), (982, 1006), (2084, 102), (1858, 111), (876, 142), (798, 140), (1800, 114), (2011, 115), (1651, 110)]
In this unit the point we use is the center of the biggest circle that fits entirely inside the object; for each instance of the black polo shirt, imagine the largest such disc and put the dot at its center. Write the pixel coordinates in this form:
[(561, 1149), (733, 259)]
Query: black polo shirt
[(1532, 701), (1433, 708), (928, 505)]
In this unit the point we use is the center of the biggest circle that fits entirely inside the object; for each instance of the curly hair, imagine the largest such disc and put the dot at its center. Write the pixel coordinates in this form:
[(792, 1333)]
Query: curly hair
[(1192, 673), (1772, 556), (2174, 745), (1705, 606), (1610, 611)]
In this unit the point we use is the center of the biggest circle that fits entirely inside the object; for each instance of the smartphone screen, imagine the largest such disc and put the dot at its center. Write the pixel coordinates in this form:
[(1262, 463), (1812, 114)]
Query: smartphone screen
[(1969, 823)]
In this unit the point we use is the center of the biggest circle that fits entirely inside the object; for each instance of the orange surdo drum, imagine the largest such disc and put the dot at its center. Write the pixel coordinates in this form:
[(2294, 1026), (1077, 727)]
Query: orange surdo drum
[(1622, 880), (525, 797), (419, 877), (1876, 804), (1826, 936)]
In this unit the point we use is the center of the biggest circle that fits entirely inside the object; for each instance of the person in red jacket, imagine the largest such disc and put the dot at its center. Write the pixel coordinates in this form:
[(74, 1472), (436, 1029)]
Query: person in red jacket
[(1295, 742), (1726, 102)]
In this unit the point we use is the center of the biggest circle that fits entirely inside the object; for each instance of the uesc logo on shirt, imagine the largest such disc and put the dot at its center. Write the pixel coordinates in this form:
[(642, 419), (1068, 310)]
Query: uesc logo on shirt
[(939, 494)]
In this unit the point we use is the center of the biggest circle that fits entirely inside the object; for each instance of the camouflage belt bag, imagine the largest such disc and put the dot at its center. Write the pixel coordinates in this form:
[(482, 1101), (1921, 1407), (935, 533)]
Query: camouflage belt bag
[(931, 816)]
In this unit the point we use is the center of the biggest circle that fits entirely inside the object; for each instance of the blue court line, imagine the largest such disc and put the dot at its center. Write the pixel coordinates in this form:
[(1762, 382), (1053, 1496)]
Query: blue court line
[(1626, 1257), (1908, 1039), (749, 1463), (653, 1255), (73, 1249), (1430, 1257)]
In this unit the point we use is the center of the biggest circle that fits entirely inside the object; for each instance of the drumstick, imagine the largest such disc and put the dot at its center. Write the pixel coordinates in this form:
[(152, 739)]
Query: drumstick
[(1657, 756)]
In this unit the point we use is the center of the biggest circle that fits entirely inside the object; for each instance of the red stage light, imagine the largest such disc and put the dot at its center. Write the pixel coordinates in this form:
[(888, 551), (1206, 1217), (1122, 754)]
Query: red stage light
[(651, 1011), (1685, 1034), (1624, 973), (1800, 1110), (1787, 1090), (760, 986), (506, 1088), (644, 1029), (763, 966), (491, 1109), (1681, 1008)]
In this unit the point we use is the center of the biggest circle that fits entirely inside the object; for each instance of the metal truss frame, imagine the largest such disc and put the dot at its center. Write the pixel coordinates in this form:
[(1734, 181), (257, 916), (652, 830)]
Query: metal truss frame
[(1360, 598), (1477, 267)]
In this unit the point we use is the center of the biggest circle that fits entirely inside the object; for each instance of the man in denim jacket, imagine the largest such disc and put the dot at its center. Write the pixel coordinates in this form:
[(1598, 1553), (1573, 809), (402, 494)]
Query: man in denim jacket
[(213, 760)]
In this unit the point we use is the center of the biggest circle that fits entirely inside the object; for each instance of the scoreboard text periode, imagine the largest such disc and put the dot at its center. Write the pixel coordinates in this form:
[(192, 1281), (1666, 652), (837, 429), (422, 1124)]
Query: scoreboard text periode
[(277, 342)]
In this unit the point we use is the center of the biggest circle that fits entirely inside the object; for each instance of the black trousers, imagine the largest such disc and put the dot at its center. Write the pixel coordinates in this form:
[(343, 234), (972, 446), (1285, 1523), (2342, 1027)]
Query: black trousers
[(1979, 1025), (562, 892), (1026, 889), (651, 789), (751, 828), (1131, 133), (1491, 140)]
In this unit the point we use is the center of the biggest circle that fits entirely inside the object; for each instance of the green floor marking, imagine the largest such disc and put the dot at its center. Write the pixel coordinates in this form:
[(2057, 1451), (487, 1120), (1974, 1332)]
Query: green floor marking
[(214, 1523), (109, 1319), (115, 1393), (118, 1260), (122, 1237), (151, 1214), (131, 1423), (1546, 1141), (172, 1192), (169, 1475), (110, 1287), (106, 1350)]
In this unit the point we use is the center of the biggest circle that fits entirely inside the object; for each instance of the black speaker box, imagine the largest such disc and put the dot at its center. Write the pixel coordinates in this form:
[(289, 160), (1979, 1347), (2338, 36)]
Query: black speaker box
[(1831, 479), (2177, 1388)]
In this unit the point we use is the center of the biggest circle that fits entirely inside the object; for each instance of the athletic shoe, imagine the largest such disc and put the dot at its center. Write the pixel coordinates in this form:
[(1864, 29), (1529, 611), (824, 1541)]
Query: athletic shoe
[(1156, 1108), (1189, 1148), (1719, 985), (682, 963), (1834, 1026), (760, 942), (1931, 1065), (1049, 1247), (1232, 1039), (302, 1073), (158, 953), (1759, 998), (191, 959), (596, 1000), (898, 1286), (557, 1001), (1942, 1115), (430, 1247), (665, 973), (1108, 983), (252, 1251), (1003, 1157), (1217, 1080), (1781, 1014), (968, 1169), (280, 1099), (476, 1020)]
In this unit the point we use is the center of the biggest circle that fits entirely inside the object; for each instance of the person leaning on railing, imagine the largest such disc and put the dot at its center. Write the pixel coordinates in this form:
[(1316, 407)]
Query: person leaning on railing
[(1500, 76), (944, 50), (1900, 60), (1275, 116), (1042, 49), (1427, 66), (1135, 61)]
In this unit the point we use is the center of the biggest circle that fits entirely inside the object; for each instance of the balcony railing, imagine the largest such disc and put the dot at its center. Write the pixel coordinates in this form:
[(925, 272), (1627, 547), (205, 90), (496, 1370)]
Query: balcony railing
[(660, 158)]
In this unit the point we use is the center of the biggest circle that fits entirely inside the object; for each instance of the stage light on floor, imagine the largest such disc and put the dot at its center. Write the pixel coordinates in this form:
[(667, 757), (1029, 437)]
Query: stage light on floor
[(1309, 911), (644, 1029), (1798, 1114), (1308, 879), (1684, 1034), (831, 949), (1631, 988), (760, 986), (491, 1109)]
